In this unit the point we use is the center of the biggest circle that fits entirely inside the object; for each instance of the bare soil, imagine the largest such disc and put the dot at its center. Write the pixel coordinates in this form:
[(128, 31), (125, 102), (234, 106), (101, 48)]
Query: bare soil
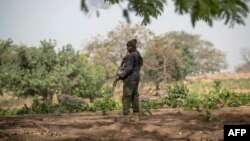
[(163, 124)]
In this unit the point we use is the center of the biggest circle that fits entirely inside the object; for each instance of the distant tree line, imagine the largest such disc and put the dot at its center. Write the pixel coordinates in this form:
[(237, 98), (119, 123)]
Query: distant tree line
[(168, 57), (44, 71)]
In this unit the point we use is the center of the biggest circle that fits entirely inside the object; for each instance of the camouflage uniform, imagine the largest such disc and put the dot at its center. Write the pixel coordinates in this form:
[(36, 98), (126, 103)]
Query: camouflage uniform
[(131, 78), (130, 95)]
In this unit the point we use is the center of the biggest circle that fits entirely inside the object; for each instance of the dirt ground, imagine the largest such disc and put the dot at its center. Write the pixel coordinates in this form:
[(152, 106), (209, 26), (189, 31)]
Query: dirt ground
[(163, 124)]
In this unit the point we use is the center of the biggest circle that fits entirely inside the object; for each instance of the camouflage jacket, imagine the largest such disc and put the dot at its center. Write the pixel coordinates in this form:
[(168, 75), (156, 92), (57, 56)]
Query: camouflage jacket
[(130, 67)]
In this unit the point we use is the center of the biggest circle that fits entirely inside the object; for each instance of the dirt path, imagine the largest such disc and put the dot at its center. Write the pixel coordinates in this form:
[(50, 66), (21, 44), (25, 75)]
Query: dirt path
[(164, 124)]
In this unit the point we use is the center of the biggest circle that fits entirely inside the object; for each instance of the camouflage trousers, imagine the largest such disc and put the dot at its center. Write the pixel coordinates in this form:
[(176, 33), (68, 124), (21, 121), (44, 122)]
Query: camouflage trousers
[(130, 96)]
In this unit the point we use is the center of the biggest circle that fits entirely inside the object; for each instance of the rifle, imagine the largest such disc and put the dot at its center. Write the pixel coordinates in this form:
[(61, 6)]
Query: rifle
[(113, 86), (119, 71)]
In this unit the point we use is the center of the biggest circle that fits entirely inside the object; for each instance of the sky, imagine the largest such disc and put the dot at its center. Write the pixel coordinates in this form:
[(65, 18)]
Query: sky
[(30, 21)]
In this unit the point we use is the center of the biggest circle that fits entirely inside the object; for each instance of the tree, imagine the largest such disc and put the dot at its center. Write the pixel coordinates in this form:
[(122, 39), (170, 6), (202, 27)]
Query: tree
[(162, 56), (198, 56), (108, 52), (40, 71), (6, 54), (76, 76), (245, 67), (174, 55), (210, 59), (188, 45), (31, 71), (232, 11)]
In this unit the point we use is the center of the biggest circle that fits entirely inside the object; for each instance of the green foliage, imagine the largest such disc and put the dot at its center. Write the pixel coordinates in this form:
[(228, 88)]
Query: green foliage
[(5, 55), (147, 9), (8, 112), (39, 107), (147, 105), (193, 101), (162, 57), (94, 80), (28, 71), (211, 101), (109, 51), (31, 71), (179, 90), (179, 96), (232, 11), (74, 107), (187, 63), (142, 8), (104, 104), (81, 79), (174, 55), (223, 97), (238, 100), (175, 96)]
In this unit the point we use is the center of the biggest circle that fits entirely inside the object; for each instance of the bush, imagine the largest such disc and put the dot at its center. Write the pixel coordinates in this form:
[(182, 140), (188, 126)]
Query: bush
[(238, 100), (8, 112), (147, 105), (193, 101), (175, 95), (104, 104)]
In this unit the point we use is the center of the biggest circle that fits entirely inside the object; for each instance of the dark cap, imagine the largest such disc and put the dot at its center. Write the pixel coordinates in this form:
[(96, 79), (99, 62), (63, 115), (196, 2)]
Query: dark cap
[(132, 43)]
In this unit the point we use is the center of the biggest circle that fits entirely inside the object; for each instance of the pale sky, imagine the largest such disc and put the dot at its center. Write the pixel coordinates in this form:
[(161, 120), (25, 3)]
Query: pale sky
[(30, 21)]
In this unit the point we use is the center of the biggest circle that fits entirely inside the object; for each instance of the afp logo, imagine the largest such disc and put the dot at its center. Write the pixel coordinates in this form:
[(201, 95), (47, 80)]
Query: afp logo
[(237, 132)]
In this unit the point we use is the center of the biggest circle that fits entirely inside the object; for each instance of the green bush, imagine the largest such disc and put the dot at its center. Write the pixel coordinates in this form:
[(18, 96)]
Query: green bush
[(8, 112), (238, 100), (39, 107), (193, 101), (147, 105), (175, 95), (211, 101), (104, 104), (224, 97)]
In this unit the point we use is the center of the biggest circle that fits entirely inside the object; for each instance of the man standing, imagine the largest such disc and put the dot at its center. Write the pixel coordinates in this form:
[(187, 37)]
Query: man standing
[(130, 75)]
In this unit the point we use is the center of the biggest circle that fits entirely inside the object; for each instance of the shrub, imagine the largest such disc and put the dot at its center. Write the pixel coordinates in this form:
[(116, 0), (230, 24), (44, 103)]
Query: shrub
[(175, 96), (42, 107), (104, 104), (147, 105), (193, 101)]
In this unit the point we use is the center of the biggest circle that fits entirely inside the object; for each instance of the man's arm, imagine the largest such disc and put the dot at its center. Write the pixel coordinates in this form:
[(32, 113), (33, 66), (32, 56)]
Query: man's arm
[(128, 67)]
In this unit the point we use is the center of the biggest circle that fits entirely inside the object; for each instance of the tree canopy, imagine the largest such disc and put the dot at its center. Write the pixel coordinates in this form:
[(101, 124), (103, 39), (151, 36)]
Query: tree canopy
[(41, 71), (231, 11), (168, 57)]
